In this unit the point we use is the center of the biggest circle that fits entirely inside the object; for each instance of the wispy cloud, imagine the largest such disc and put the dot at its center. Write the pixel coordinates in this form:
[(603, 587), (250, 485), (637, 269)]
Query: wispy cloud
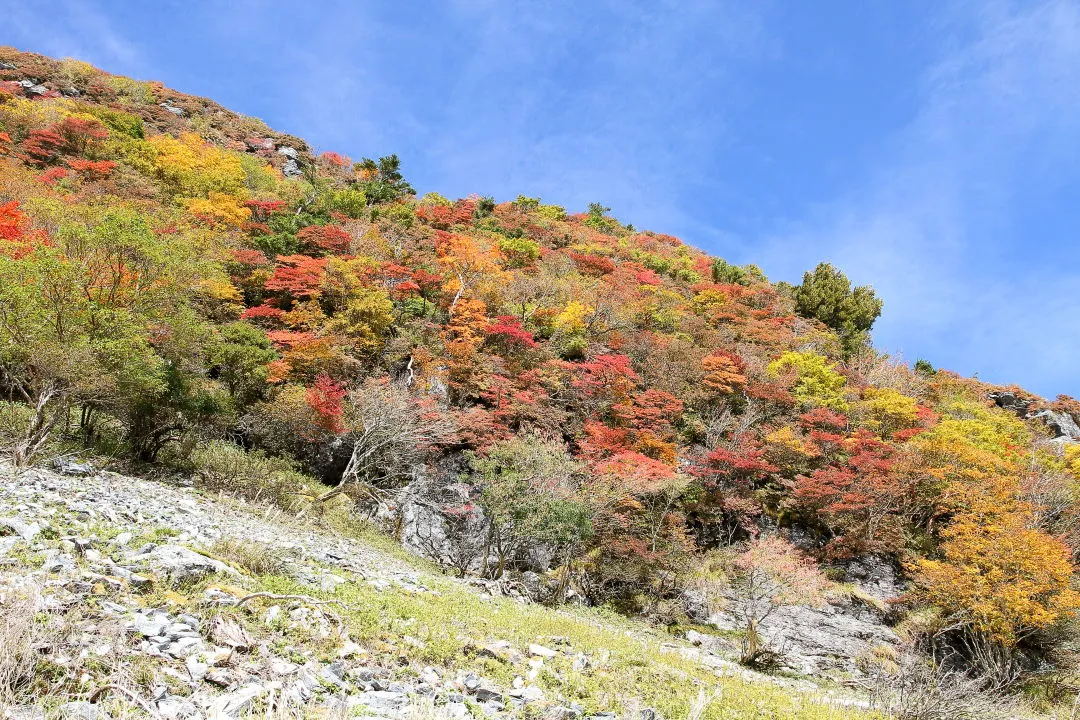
[(75, 28), (938, 224)]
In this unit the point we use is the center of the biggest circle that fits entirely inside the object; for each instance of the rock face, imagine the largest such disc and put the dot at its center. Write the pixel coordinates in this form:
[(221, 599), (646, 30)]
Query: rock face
[(1062, 424), (1011, 401), (832, 639)]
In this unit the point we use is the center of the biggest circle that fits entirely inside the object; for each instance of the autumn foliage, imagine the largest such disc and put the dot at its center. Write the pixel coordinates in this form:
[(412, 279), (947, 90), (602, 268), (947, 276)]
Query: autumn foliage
[(165, 280)]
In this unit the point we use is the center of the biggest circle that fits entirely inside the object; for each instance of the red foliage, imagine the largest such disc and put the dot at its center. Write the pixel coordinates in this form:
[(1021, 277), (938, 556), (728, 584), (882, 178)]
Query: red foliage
[(298, 275), (326, 238), (261, 210), (823, 419), (508, 333), (42, 147), (859, 499), (92, 170), (79, 133), (637, 473), (725, 467), (595, 265), (52, 175), (249, 258), (602, 441), (13, 222), (265, 313), (610, 373), (289, 339), (16, 230), (648, 277), (335, 159), (324, 397), (427, 281), (652, 410)]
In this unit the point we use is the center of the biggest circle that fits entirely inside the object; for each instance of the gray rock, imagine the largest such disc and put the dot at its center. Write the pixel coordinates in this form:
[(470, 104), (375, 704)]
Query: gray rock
[(27, 531), (196, 670), (78, 711), (541, 651), (821, 641), (259, 144), (1061, 424), (176, 708), (67, 466), (58, 562), (288, 152), (1010, 401), (291, 168), (179, 564), (7, 66), (233, 704), (383, 702)]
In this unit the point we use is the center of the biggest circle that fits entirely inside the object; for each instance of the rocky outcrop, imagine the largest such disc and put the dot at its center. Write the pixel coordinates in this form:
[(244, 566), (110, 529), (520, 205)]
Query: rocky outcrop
[(1062, 424)]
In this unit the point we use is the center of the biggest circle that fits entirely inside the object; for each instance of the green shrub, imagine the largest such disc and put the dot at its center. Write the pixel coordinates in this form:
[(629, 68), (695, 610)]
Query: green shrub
[(224, 467)]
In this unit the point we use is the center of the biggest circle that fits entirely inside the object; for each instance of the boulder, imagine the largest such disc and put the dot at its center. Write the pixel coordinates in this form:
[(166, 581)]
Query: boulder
[(1010, 401), (27, 531), (1062, 424), (180, 564), (67, 466), (291, 168)]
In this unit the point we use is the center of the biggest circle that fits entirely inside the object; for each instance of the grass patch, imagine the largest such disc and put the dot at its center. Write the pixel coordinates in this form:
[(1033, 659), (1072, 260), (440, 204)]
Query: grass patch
[(250, 557), (627, 667)]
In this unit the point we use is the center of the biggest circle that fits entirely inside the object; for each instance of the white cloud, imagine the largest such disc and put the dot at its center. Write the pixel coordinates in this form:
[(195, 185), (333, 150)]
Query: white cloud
[(76, 28)]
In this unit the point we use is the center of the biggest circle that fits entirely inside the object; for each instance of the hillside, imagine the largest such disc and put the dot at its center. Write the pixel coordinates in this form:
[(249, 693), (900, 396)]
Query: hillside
[(533, 398), (348, 628)]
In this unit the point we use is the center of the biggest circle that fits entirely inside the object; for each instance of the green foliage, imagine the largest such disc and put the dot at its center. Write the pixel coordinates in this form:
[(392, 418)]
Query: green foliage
[(347, 201), (382, 181), (365, 320), (527, 491), (724, 272), (484, 207), (526, 204), (116, 121), (221, 466), (519, 252), (826, 295), (238, 356)]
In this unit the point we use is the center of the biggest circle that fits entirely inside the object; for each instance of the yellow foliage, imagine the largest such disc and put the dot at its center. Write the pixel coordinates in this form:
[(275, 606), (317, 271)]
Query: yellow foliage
[(885, 410), (190, 167), (785, 448), (1072, 460), (999, 576), (222, 208), (571, 321), (220, 290)]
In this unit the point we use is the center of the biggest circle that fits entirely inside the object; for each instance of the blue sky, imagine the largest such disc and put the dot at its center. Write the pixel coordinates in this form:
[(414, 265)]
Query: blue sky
[(927, 148)]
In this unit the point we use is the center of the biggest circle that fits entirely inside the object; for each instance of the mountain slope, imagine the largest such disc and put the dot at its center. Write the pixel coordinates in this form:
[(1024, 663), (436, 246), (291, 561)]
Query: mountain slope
[(608, 416), (127, 605)]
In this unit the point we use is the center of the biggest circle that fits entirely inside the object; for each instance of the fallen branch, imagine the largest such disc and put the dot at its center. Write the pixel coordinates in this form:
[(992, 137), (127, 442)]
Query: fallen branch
[(272, 596)]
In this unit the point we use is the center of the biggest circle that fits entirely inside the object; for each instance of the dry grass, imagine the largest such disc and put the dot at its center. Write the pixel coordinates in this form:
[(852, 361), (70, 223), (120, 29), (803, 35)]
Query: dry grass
[(253, 558), (20, 636), (918, 690)]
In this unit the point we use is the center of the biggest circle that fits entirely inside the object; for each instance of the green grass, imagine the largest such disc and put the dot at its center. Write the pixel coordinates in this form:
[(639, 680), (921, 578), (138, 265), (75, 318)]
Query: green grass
[(628, 668)]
